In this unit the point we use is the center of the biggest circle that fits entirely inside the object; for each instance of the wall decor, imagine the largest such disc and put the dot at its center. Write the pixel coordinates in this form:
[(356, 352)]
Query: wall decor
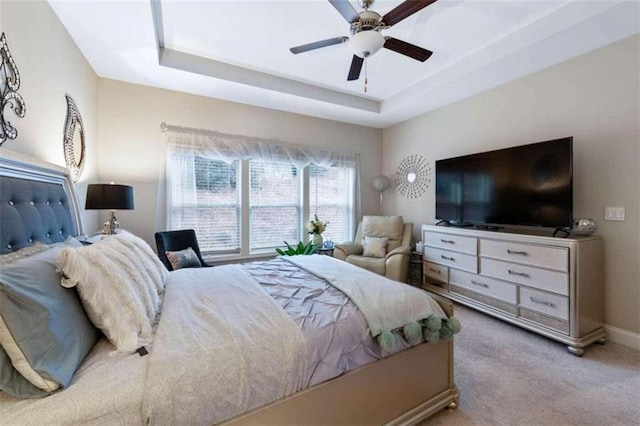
[(412, 176), (73, 140), (9, 96)]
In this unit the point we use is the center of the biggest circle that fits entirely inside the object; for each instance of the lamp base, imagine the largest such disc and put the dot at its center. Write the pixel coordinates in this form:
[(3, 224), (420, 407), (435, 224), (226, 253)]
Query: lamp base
[(111, 226)]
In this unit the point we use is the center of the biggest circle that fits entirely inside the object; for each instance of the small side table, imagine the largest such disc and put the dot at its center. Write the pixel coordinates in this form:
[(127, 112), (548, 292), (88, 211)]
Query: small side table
[(325, 251), (415, 269)]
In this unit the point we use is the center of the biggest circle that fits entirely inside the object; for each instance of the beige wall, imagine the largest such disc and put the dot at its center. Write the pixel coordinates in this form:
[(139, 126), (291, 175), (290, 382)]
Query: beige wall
[(132, 148), (594, 98), (50, 66)]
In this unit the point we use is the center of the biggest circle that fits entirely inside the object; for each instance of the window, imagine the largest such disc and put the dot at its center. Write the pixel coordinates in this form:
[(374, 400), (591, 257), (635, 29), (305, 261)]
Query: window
[(246, 196), (274, 201), (212, 208), (333, 189)]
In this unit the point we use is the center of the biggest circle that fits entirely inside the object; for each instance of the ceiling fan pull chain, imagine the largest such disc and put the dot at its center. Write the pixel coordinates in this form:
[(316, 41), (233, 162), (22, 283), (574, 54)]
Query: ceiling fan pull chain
[(365, 75)]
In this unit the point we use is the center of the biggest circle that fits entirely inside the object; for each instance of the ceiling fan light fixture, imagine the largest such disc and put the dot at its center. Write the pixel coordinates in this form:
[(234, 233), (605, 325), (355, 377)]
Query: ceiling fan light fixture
[(366, 43)]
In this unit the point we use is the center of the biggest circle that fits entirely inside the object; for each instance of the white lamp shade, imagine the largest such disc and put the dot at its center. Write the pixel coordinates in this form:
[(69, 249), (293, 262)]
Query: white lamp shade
[(381, 183), (366, 43)]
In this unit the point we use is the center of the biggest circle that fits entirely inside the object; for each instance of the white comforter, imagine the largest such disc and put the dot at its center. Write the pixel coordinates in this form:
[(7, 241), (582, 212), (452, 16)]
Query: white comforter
[(245, 353)]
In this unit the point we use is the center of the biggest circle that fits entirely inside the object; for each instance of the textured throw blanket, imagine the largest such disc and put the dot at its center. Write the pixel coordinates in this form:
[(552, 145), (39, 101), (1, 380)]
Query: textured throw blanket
[(386, 304), (222, 347)]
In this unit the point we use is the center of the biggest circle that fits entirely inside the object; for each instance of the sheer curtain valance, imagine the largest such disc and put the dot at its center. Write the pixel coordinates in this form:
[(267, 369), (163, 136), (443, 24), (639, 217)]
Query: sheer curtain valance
[(229, 148)]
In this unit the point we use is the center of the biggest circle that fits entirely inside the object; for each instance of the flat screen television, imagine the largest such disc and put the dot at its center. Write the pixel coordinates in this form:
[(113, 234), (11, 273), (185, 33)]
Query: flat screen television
[(528, 185)]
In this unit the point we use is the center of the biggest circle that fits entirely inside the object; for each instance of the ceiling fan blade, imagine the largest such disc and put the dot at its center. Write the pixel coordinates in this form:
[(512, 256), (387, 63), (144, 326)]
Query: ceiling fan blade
[(318, 44), (404, 10), (407, 49), (356, 67), (346, 10)]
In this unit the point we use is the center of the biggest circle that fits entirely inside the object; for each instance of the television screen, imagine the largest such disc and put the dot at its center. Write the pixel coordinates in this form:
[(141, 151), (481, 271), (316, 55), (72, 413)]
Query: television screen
[(525, 185)]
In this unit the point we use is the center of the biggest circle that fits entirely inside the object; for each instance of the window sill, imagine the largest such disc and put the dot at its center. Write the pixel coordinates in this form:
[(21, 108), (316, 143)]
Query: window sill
[(238, 258)]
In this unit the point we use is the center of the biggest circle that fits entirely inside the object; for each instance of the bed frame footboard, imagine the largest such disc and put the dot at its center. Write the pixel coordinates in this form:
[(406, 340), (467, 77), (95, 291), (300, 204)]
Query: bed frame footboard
[(402, 389)]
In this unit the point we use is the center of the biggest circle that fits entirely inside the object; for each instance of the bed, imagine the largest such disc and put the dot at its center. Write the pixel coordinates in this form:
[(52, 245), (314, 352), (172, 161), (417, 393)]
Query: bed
[(366, 385)]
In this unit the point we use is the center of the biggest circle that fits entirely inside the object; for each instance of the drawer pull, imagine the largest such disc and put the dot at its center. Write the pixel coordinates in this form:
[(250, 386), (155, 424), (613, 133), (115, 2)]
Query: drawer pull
[(448, 258), (520, 274), (447, 241), (520, 253), (479, 284), (434, 270), (541, 302)]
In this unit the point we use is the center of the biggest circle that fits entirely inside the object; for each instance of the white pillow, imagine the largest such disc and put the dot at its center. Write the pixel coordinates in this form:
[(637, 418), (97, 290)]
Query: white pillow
[(374, 246), (120, 281)]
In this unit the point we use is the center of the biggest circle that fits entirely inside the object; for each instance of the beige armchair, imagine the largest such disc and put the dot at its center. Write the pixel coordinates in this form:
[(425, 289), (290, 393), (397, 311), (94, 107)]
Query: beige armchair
[(395, 264)]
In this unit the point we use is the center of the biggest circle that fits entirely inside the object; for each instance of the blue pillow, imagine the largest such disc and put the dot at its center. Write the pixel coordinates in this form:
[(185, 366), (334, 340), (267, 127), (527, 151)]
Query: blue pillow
[(14, 383), (45, 321)]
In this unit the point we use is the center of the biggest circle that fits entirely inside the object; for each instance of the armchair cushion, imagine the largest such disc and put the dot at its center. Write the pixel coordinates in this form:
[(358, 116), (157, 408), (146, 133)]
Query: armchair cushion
[(343, 250), (395, 264), (374, 246), (390, 227), (373, 264)]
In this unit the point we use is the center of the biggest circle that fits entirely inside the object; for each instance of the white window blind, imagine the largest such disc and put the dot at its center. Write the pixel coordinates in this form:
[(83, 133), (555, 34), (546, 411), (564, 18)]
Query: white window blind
[(274, 200), (210, 205), (331, 195)]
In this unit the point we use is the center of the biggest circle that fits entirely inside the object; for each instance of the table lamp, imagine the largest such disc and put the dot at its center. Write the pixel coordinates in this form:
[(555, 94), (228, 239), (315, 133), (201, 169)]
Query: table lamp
[(108, 196)]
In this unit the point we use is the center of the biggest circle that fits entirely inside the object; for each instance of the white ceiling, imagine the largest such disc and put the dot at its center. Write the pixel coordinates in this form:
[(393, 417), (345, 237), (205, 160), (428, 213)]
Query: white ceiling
[(239, 50)]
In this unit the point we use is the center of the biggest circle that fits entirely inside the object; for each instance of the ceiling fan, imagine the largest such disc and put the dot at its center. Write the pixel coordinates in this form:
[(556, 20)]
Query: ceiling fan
[(366, 38)]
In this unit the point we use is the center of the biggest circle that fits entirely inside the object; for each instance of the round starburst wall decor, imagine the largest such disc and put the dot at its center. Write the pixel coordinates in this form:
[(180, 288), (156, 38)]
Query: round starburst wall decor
[(413, 176)]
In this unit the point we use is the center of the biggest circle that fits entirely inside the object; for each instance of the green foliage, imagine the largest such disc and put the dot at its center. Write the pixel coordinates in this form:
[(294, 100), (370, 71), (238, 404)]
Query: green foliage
[(300, 248)]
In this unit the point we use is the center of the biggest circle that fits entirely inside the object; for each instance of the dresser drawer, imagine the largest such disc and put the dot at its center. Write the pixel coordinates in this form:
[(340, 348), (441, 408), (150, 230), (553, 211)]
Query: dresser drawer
[(555, 282), (452, 242), (556, 258), (548, 304), (436, 272), (452, 259), (487, 286)]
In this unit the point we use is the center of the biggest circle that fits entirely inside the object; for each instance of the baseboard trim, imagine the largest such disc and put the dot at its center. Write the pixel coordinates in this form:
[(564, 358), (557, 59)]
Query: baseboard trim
[(623, 337)]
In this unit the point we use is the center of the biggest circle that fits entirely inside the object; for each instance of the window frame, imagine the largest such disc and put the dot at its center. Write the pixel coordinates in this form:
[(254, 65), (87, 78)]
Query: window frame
[(243, 183)]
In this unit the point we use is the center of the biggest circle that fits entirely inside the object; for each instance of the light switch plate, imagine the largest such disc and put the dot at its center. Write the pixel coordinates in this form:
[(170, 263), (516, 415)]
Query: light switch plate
[(614, 213)]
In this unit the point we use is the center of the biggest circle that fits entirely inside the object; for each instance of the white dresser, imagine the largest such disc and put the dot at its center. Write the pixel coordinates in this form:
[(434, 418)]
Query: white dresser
[(551, 286)]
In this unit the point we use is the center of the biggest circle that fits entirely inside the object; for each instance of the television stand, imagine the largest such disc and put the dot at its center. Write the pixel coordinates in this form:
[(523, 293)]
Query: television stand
[(551, 286)]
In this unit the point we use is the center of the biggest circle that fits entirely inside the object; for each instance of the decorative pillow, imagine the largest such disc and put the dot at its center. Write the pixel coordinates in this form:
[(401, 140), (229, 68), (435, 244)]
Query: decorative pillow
[(43, 329), (120, 281), (374, 246), (186, 258)]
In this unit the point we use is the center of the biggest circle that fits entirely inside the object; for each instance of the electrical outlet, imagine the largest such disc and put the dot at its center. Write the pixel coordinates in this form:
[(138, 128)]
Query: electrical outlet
[(614, 213)]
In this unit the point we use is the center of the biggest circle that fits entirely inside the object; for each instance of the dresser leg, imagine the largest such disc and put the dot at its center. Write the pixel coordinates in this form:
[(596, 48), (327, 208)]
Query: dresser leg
[(456, 400), (575, 350), (602, 340)]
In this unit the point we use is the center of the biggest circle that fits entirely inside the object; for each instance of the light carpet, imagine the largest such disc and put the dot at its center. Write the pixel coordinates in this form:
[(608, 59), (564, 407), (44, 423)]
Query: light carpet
[(509, 376)]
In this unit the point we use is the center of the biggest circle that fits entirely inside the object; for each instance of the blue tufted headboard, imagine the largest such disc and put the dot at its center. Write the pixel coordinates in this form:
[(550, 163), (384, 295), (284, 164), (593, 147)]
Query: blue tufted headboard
[(37, 203)]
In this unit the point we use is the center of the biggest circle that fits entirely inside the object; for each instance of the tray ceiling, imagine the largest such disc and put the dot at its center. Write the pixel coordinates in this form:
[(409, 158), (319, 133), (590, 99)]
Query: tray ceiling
[(239, 50)]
